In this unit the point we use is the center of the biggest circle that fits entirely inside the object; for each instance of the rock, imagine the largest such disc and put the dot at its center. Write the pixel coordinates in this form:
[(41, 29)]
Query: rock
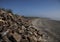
[(17, 36), (24, 40), (30, 33), (23, 28), (39, 39), (15, 28), (2, 11), (21, 31), (1, 20), (6, 39), (34, 38), (39, 33), (5, 33), (35, 34)]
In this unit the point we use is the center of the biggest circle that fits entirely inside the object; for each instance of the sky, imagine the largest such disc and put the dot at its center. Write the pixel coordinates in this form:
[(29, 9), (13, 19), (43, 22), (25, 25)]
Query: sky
[(36, 8)]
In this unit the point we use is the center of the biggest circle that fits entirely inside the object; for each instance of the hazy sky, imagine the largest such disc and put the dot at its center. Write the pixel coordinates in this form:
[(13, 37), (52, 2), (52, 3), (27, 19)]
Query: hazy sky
[(40, 8)]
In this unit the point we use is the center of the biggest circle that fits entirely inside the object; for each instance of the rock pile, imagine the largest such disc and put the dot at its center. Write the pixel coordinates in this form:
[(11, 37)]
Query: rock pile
[(14, 28)]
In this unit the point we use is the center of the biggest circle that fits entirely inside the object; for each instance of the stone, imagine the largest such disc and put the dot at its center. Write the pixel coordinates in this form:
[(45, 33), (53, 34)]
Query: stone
[(17, 36), (30, 32), (23, 28), (35, 34), (15, 28), (35, 39)]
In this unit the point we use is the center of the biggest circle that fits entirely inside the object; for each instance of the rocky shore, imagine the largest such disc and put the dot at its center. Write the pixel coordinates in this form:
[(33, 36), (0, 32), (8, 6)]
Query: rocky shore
[(15, 28)]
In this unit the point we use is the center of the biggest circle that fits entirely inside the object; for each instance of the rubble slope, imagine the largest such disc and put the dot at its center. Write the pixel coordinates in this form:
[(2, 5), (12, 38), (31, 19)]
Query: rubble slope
[(15, 28)]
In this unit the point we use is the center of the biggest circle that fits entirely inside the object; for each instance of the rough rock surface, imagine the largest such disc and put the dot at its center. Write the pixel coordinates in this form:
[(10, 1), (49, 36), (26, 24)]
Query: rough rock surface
[(14, 28)]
